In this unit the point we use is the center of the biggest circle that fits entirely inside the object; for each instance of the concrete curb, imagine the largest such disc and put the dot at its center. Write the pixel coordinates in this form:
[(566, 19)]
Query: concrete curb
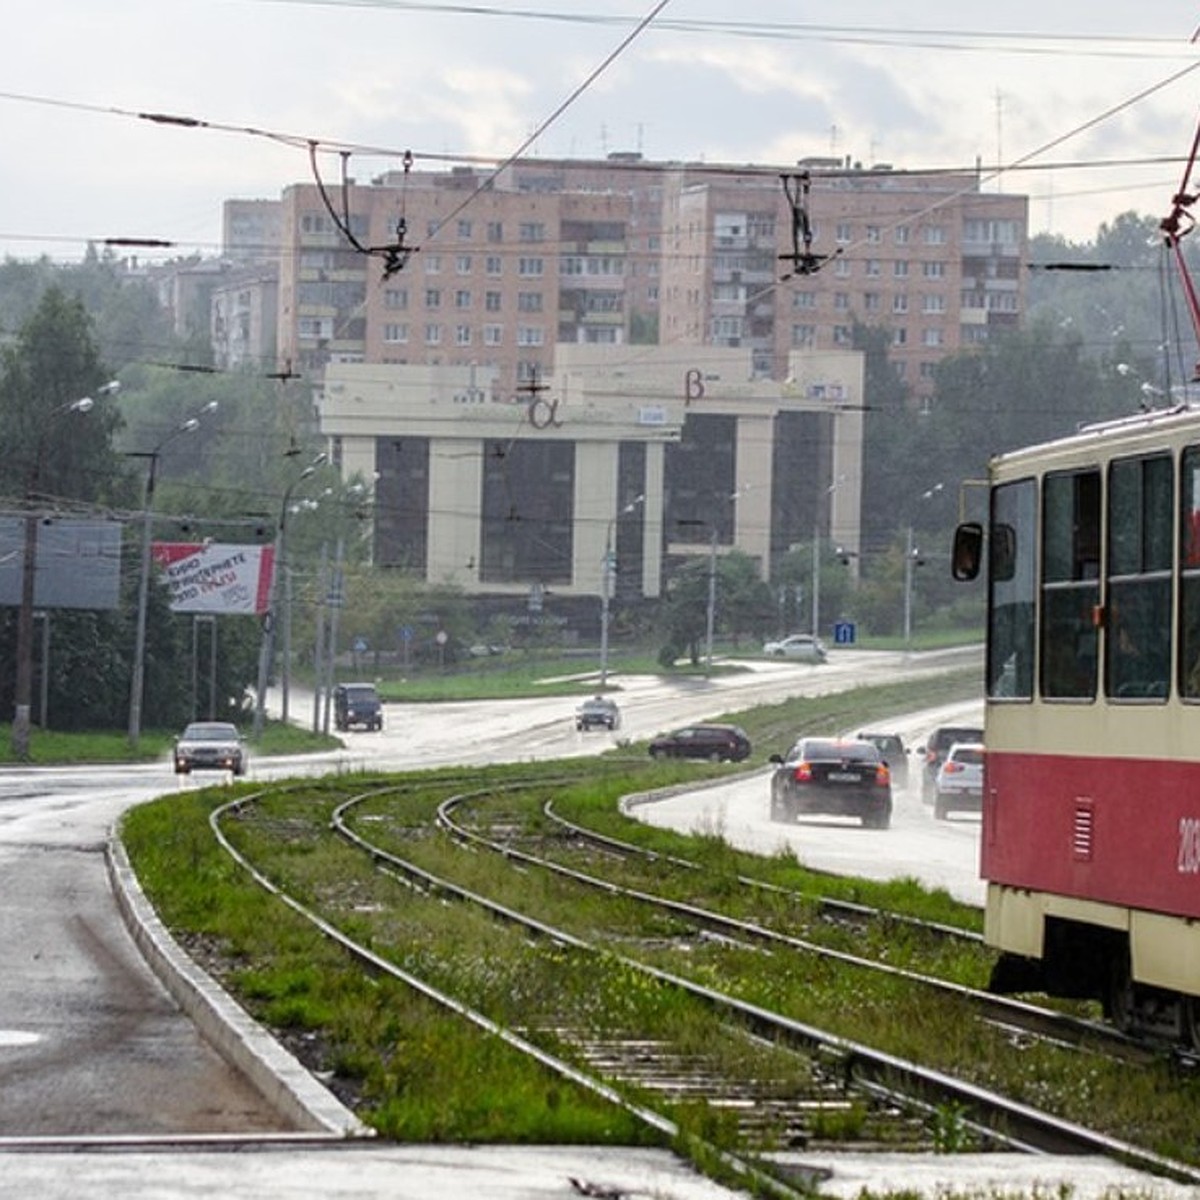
[(240, 1040)]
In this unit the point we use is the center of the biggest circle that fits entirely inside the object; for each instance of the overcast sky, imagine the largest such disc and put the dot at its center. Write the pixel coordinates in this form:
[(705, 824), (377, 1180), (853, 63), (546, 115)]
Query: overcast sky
[(913, 84)]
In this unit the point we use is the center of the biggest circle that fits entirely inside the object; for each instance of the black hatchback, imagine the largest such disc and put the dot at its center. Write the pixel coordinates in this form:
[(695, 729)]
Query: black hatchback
[(844, 778), (716, 743)]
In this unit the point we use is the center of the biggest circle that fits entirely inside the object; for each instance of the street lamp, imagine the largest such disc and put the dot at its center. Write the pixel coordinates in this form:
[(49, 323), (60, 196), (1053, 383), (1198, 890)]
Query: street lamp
[(816, 560), (606, 580), (24, 673), (912, 559), (268, 643), (139, 649)]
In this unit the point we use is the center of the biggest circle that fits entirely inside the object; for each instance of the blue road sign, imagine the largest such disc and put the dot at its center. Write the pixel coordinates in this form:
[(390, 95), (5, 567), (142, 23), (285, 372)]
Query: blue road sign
[(843, 633)]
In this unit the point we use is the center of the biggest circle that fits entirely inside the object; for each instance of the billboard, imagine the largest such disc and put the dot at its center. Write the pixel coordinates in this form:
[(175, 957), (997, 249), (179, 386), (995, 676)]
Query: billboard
[(77, 562), (211, 577)]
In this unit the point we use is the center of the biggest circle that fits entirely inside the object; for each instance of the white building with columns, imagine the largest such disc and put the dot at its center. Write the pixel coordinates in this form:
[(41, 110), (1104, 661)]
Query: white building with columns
[(652, 452)]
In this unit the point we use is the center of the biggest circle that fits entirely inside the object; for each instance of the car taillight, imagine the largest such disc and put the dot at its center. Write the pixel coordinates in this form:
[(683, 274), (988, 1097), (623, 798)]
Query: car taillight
[(802, 772), (952, 768), (883, 775)]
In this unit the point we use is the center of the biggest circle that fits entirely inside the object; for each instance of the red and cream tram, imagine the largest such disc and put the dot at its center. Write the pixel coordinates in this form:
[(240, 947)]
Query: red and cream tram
[(1090, 844)]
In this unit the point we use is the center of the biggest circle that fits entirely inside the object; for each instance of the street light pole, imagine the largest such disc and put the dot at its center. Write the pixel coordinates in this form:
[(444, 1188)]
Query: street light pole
[(606, 579), (267, 650), (139, 650), (23, 701), (710, 616)]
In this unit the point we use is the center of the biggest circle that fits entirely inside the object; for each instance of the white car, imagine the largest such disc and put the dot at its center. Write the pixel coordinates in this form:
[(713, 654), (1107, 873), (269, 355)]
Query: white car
[(959, 780), (801, 646), (211, 746)]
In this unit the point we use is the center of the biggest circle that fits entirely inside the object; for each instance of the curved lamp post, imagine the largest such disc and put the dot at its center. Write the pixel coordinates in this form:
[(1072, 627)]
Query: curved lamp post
[(139, 650), (24, 671), (267, 651)]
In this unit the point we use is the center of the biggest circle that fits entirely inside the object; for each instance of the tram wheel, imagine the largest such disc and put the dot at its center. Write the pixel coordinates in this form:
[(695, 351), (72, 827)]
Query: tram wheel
[(1119, 1002), (1189, 1013)]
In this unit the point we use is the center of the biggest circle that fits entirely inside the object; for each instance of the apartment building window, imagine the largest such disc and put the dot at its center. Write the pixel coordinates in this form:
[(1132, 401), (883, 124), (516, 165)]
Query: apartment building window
[(530, 335), (900, 303), (932, 338), (570, 264), (841, 301), (843, 335), (604, 335), (726, 328), (495, 231), (730, 292), (529, 302), (901, 234), (652, 293), (530, 267), (491, 301), (395, 334), (317, 223), (804, 335), (900, 268), (1002, 302), (996, 232), (395, 297), (432, 226), (433, 298), (462, 335), (464, 229), (873, 268), (843, 234), (433, 264), (807, 300), (492, 335), (604, 302), (433, 335), (462, 298), (462, 264), (933, 304), (934, 270), (493, 265), (760, 225), (315, 327), (841, 268), (531, 231), (935, 235), (900, 336), (926, 372), (874, 235), (527, 370), (871, 302)]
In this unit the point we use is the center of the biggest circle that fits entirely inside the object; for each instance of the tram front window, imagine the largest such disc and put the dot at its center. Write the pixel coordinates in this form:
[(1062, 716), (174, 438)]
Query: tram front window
[(1012, 576), (1138, 604), (1070, 584)]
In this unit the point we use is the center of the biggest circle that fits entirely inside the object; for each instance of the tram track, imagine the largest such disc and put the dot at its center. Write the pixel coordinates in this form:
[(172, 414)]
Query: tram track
[(888, 1081), (1021, 1019)]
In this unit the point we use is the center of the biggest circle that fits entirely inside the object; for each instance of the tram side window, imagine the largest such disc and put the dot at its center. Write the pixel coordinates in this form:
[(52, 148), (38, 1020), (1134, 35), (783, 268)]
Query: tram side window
[(1070, 584), (1137, 623), (1189, 580), (1013, 584)]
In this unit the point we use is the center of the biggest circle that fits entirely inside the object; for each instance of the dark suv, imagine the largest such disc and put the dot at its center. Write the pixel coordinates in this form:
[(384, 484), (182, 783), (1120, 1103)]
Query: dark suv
[(936, 747), (357, 704)]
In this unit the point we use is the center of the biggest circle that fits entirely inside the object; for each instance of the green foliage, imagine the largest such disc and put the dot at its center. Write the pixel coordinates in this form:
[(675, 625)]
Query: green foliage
[(743, 603)]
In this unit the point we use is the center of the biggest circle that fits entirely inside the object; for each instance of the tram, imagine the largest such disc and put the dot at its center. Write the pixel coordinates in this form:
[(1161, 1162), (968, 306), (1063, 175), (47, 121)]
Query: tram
[(1090, 844)]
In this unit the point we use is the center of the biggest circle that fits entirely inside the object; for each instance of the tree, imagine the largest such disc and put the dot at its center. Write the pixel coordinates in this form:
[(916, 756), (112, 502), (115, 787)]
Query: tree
[(743, 603)]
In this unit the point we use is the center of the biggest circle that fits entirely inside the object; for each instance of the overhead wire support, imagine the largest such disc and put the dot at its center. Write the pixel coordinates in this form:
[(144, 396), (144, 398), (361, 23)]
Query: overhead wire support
[(395, 254), (804, 261), (1175, 226)]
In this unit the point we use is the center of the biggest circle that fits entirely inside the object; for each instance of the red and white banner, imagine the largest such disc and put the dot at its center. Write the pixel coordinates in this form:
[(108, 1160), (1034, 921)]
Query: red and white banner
[(214, 578)]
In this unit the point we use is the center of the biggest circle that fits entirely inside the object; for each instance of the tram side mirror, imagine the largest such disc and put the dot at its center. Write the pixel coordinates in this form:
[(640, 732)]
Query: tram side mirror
[(967, 556)]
